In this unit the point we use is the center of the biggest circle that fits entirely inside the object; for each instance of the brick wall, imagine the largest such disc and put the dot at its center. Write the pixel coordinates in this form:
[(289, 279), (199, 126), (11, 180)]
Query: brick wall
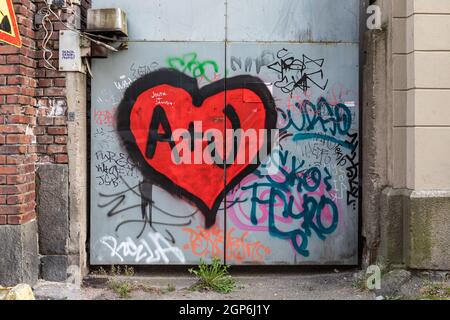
[(33, 119), (51, 130), (18, 88)]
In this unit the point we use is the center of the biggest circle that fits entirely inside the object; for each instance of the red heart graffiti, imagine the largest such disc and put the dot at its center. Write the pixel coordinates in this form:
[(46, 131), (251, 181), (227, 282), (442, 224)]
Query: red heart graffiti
[(161, 102)]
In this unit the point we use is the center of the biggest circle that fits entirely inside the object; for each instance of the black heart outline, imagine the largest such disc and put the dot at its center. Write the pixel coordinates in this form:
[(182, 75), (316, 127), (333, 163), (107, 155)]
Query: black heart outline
[(180, 80)]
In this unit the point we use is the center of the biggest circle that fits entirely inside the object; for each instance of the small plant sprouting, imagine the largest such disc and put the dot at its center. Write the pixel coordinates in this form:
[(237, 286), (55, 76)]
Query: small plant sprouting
[(436, 291), (359, 283), (122, 288), (117, 271), (214, 276), (128, 271), (113, 271), (102, 271), (171, 287)]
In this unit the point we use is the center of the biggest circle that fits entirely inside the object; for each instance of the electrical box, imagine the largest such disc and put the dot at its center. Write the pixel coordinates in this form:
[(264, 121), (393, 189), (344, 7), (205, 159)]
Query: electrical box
[(110, 21), (70, 51)]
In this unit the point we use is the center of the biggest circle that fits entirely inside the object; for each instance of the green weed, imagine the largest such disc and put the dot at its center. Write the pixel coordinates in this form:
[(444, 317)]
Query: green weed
[(214, 276)]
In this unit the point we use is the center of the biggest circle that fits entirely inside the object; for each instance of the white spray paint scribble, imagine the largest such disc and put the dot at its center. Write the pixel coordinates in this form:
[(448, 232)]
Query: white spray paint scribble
[(153, 249)]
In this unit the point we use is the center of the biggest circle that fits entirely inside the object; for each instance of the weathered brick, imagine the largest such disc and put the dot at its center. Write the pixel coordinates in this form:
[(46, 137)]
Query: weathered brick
[(5, 189), (39, 130), (13, 149), (13, 128), (45, 121), (16, 179), (57, 130), (19, 119), (18, 139), (52, 149), (15, 199), (9, 69), (61, 158), (16, 159), (45, 82), (13, 209), (60, 121), (9, 169), (61, 139), (44, 139), (21, 219)]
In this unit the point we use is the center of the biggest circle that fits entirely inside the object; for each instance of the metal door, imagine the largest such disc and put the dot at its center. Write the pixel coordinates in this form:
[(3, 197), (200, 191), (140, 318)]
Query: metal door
[(256, 64)]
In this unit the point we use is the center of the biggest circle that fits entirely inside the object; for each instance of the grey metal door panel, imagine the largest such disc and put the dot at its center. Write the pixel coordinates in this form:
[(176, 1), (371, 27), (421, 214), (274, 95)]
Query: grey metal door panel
[(297, 21), (122, 232), (301, 205), (317, 142), (171, 20)]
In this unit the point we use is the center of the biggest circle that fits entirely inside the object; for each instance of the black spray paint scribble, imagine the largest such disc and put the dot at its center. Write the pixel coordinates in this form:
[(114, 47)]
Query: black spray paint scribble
[(150, 213), (265, 59), (353, 172), (111, 166), (297, 73)]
